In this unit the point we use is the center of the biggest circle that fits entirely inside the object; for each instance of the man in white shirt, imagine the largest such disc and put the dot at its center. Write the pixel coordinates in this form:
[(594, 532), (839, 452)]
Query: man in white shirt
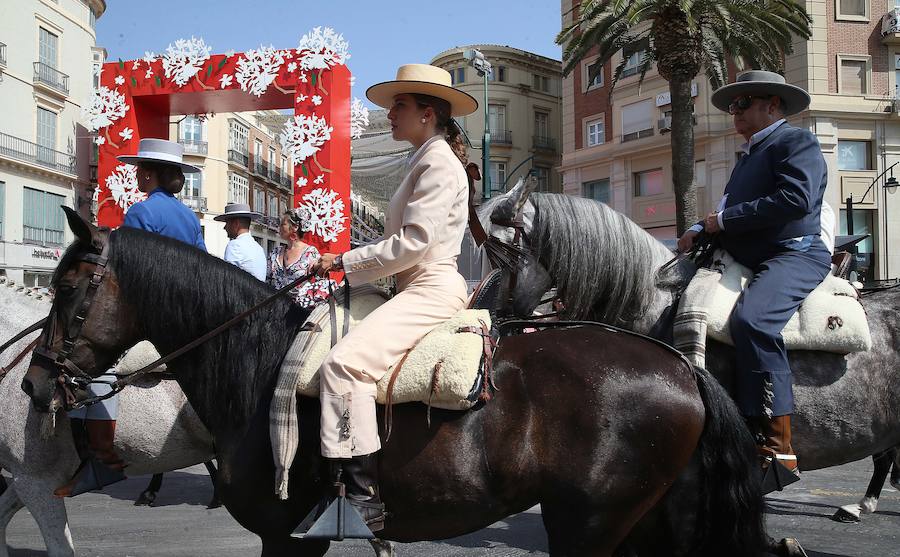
[(242, 250)]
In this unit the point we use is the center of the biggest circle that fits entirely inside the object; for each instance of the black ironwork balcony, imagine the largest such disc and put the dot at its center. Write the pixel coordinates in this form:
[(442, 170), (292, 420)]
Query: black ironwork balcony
[(196, 204), (261, 168), (286, 181), (193, 147), (51, 77), (2, 54), (274, 175), (238, 157), (502, 137), (544, 143), (22, 150)]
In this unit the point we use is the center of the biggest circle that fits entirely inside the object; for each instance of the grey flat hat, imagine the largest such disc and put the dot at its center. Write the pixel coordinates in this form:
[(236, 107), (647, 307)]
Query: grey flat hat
[(160, 151), (759, 82), (237, 211)]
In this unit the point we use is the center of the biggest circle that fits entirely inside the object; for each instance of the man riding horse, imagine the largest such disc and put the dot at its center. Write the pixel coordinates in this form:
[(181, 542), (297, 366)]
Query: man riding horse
[(769, 221)]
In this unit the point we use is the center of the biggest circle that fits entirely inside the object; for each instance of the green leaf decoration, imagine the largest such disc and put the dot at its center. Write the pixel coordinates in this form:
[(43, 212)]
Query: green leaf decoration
[(121, 64), (314, 76), (158, 81), (133, 82), (305, 171), (222, 63), (208, 71)]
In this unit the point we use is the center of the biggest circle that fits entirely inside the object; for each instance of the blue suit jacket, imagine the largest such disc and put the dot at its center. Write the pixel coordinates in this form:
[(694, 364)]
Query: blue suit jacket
[(164, 214), (774, 194)]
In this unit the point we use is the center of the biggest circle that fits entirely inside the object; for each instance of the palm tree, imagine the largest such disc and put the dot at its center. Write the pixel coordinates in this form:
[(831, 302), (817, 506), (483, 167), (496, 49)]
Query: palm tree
[(685, 37)]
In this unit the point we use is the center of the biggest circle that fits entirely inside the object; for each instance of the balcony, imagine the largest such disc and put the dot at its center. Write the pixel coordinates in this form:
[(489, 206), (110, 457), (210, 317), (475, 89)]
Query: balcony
[(501, 137), (286, 181), (274, 176), (543, 143), (890, 27), (51, 78), (192, 147), (261, 169), (239, 157), (16, 148), (638, 135), (42, 236), (196, 204), (2, 55)]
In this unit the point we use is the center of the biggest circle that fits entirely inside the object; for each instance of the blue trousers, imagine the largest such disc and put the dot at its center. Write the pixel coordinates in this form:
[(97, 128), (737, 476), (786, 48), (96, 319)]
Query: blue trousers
[(780, 283)]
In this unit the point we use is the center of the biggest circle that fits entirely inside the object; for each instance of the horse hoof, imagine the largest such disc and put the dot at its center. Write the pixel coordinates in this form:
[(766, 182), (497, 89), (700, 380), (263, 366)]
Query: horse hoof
[(845, 516), (146, 499)]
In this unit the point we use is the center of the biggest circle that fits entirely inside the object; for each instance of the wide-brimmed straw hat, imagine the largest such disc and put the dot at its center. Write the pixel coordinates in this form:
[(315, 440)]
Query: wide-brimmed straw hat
[(759, 82), (423, 79), (160, 151), (237, 211)]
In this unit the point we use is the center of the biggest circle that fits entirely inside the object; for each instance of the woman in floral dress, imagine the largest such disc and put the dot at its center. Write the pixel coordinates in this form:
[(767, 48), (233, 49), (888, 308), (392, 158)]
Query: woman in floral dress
[(295, 260)]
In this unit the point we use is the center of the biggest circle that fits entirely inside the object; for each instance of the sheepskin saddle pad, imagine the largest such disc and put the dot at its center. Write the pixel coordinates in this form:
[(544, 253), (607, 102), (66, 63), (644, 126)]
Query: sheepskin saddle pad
[(831, 319), (442, 370)]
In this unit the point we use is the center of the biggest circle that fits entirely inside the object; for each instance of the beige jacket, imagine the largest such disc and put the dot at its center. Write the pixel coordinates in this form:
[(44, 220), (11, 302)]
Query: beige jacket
[(425, 221)]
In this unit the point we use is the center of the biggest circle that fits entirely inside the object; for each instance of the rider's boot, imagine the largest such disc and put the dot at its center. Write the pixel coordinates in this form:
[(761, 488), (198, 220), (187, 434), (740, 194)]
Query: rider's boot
[(776, 437), (360, 476), (103, 467)]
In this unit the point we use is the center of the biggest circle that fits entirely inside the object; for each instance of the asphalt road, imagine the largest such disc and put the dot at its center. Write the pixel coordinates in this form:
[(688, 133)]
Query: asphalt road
[(108, 525)]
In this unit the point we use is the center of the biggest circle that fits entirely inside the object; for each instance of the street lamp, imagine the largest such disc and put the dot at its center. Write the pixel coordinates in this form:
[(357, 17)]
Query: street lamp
[(483, 67), (890, 184)]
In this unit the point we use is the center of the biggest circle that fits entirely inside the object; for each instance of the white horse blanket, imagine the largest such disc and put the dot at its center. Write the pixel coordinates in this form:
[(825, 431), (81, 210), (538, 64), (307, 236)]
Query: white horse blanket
[(831, 319)]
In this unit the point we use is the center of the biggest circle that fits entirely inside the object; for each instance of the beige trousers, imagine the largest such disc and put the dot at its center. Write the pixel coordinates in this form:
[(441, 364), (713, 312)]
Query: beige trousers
[(428, 296)]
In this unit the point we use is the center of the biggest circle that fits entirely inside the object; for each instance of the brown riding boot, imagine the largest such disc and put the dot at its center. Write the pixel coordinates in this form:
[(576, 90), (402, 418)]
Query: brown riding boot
[(102, 468), (776, 433)]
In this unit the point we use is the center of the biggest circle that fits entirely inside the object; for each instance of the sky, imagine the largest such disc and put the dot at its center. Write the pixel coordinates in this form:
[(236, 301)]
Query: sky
[(382, 35)]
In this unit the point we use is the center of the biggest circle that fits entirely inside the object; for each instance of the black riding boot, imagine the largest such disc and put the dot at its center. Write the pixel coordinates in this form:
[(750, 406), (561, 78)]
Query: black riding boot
[(360, 476)]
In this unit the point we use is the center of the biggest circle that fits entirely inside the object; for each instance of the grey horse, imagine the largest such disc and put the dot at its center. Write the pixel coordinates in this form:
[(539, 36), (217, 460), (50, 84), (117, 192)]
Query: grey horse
[(604, 267)]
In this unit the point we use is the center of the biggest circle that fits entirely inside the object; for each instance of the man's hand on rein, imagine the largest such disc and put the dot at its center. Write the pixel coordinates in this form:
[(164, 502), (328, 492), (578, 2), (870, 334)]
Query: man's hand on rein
[(711, 224), (326, 264)]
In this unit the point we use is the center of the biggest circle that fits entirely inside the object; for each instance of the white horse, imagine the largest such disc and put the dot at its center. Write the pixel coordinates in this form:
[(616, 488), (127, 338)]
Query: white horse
[(157, 431)]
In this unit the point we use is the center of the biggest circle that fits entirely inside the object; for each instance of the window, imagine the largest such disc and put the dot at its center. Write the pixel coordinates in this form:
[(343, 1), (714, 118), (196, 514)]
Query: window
[(633, 57), (541, 83), (46, 135), (273, 205), (598, 190), (96, 65), (193, 184), (649, 182), (43, 219), (542, 124), (92, 18), (499, 74), (498, 175), (458, 75), (191, 130), (282, 206), (897, 74), (543, 178), (2, 206), (284, 168), (863, 223), (238, 189), (637, 120), (237, 137), (852, 9), (596, 133), (595, 69), (853, 77), (48, 48), (497, 118), (273, 162), (854, 155), (259, 200), (257, 151)]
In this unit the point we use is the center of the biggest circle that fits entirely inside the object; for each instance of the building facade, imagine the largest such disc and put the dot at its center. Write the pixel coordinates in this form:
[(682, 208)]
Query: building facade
[(47, 54), (615, 147), (524, 112)]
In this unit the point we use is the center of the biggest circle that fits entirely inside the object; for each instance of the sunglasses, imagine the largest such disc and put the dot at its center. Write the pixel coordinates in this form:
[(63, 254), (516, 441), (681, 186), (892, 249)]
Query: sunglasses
[(745, 102)]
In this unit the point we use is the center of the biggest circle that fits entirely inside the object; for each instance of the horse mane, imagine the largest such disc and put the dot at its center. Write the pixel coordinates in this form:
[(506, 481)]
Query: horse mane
[(180, 293), (603, 263)]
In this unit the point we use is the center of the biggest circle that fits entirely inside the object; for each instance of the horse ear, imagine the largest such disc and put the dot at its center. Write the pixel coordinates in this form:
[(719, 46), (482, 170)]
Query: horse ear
[(86, 232), (527, 189), (506, 210)]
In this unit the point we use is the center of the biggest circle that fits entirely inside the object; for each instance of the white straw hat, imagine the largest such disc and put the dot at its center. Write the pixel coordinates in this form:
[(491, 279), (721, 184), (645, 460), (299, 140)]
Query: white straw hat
[(160, 151), (423, 79)]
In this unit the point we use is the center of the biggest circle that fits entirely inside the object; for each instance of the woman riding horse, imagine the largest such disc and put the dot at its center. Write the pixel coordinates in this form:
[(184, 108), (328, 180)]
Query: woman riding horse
[(424, 227)]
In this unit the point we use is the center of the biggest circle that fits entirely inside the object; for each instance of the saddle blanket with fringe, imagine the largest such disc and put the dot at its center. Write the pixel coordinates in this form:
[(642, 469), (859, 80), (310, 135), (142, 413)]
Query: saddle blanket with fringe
[(831, 319), (442, 370)]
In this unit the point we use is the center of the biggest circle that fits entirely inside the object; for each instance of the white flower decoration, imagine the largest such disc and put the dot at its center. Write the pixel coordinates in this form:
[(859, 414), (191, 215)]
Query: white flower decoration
[(304, 135), (258, 69), (105, 107), (316, 100), (326, 214), (120, 80), (304, 78), (122, 185), (126, 134), (184, 59), (136, 64), (226, 80), (99, 140), (301, 182), (352, 80), (320, 179), (292, 67), (149, 57), (322, 49), (302, 98), (149, 73), (359, 119), (229, 53)]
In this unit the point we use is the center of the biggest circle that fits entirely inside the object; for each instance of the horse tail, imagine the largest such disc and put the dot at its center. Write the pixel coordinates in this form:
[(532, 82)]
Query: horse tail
[(730, 513)]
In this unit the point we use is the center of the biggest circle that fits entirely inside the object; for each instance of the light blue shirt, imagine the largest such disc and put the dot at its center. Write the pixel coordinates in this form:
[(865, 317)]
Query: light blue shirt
[(248, 255)]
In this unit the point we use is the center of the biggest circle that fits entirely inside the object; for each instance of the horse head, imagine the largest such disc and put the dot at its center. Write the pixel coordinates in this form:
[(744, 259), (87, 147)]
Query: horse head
[(88, 326)]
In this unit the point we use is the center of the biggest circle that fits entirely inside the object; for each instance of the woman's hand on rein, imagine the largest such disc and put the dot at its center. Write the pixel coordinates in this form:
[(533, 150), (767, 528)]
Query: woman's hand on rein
[(325, 264)]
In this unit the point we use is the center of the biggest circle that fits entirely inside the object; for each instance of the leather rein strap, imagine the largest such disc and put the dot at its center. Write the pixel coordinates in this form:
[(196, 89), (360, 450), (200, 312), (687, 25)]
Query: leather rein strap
[(478, 233)]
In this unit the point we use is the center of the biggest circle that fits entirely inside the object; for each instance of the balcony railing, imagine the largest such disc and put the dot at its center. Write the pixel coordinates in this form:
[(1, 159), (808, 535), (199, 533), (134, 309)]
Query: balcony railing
[(503, 137), (286, 181), (42, 236), (51, 77), (544, 143), (19, 149), (193, 147), (196, 204), (2, 54), (890, 27), (238, 157), (638, 135), (275, 176), (261, 168)]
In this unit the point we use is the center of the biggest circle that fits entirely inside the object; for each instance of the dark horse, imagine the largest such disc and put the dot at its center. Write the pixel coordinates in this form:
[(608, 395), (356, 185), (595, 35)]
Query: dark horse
[(604, 268), (628, 449)]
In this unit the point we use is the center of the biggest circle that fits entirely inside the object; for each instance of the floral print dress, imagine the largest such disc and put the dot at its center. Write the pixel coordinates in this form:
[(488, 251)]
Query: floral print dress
[(308, 294)]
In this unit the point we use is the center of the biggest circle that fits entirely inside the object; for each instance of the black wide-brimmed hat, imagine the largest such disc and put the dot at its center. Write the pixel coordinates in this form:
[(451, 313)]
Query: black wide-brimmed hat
[(759, 82)]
